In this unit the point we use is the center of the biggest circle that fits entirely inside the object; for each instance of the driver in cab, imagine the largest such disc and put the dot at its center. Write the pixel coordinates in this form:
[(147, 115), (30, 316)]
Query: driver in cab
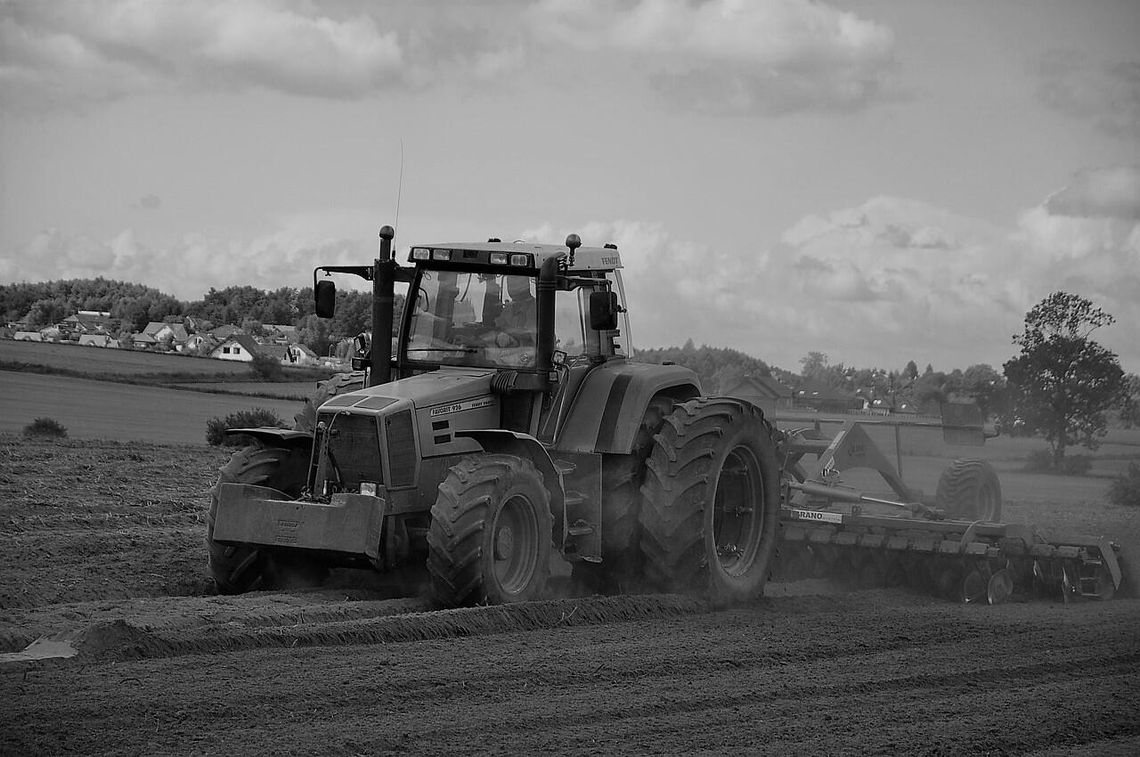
[(516, 323)]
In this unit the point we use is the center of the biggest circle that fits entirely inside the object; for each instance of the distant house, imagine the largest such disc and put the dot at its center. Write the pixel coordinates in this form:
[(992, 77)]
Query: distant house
[(52, 334), (88, 322), (299, 354), (279, 333), (240, 347), (222, 333), (143, 341), (199, 343), (97, 340), (764, 391), (162, 332), (826, 399)]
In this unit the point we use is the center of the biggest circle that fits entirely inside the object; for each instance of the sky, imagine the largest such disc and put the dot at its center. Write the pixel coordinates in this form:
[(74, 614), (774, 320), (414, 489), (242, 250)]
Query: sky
[(877, 180)]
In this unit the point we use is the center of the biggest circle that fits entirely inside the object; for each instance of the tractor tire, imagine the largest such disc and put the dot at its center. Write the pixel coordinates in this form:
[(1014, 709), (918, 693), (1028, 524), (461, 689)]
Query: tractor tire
[(710, 502), (243, 567), (622, 477), (490, 536), (969, 490), (306, 420)]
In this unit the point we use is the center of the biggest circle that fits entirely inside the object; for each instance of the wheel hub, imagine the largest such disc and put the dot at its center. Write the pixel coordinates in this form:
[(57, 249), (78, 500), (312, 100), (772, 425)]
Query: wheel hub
[(504, 543)]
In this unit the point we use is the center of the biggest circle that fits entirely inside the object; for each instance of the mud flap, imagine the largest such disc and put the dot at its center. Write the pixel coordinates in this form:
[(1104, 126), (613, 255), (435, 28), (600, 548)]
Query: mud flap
[(249, 514)]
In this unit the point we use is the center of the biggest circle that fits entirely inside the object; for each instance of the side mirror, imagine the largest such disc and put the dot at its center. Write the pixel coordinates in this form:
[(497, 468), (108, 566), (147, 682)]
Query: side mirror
[(603, 311), (324, 296)]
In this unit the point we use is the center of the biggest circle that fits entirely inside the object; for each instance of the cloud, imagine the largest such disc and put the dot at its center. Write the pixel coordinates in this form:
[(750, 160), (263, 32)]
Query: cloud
[(877, 284), (1107, 93), (733, 56), (188, 266), (722, 56), (1112, 192), (80, 51)]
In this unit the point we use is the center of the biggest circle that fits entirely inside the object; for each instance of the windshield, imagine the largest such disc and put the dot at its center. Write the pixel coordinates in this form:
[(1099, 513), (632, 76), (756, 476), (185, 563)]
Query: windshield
[(481, 319)]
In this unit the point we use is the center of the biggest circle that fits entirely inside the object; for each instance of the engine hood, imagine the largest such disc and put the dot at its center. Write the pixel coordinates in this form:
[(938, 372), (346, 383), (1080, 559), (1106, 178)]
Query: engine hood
[(438, 389)]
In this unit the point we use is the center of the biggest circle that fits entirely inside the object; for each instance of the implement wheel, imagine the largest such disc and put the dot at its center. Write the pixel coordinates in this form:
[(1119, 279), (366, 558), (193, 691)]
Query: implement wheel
[(238, 568), (710, 501), (969, 490), (489, 540)]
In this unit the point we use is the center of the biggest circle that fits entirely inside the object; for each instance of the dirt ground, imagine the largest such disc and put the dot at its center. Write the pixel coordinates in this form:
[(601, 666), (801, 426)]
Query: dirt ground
[(101, 554)]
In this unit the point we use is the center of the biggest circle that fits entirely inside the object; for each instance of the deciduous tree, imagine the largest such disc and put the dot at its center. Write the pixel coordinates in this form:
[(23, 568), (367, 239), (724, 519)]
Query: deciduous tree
[(1062, 382)]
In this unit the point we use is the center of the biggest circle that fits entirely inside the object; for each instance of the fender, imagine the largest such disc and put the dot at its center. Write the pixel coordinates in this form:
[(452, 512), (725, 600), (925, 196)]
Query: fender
[(607, 411), (282, 437), (525, 445)]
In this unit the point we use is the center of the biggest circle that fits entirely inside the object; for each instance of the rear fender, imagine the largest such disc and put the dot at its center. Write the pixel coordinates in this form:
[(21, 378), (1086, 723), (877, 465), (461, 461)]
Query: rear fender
[(607, 411)]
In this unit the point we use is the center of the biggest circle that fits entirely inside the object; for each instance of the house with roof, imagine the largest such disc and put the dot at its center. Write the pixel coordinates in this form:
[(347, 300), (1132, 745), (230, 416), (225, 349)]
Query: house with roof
[(88, 322), (222, 333), (299, 354), (175, 333), (764, 391), (280, 333), (826, 399), (97, 340), (143, 341), (199, 344), (240, 347)]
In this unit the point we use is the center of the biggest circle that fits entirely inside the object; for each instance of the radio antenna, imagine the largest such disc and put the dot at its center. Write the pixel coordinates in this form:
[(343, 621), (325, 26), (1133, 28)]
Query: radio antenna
[(400, 186)]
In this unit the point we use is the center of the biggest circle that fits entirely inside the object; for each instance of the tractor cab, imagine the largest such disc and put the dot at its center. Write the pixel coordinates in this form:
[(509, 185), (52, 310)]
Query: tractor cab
[(539, 316)]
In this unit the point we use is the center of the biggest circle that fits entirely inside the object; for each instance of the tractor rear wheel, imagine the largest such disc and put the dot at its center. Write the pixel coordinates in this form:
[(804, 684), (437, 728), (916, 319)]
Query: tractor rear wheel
[(710, 502), (489, 540), (238, 568), (622, 477), (969, 490)]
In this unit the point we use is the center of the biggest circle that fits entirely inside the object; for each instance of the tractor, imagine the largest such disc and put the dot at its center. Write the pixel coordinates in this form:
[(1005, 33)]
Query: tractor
[(506, 420)]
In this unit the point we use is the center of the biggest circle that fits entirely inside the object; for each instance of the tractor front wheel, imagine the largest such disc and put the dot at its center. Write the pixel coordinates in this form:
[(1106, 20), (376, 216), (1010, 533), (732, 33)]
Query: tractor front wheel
[(238, 568), (710, 502), (489, 540)]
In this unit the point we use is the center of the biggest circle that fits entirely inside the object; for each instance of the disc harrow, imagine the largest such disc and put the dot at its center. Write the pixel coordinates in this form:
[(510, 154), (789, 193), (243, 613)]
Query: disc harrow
[(953, 546), (964, 561)]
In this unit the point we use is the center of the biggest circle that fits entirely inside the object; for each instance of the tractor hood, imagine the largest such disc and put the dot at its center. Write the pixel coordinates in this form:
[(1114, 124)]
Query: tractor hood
[(421, 416), (426, 391)]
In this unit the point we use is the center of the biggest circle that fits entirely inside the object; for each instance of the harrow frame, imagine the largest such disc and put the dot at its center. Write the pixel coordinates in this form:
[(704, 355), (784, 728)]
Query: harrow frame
[(826, 532)]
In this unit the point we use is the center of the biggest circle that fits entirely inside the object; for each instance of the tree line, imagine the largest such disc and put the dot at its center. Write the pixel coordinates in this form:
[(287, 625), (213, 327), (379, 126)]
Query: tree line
[(1062, 385), (133, 306)]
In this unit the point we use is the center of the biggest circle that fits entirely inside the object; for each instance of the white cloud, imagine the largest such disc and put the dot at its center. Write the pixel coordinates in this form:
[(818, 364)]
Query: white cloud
[(878, 284), (75, 51), (1110, 192), (1107, 93), (739, 56), (187, 267)]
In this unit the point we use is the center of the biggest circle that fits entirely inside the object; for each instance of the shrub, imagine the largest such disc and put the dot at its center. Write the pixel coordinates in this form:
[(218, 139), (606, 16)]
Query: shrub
[(266, 368), (255, 418), (45, 428), (1125, 488), (1039, 461), (1076, 465)]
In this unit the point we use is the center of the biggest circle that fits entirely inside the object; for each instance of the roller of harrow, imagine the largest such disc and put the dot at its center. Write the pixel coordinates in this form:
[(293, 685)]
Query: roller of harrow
[(961, 560), (953, 545)]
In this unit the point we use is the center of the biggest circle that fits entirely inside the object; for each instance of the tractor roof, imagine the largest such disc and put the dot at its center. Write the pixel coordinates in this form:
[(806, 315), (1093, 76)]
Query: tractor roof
[(585, 258)]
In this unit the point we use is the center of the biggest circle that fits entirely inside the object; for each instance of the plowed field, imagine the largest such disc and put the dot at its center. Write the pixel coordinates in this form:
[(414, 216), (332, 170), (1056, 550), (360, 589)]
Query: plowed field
[(102, 557)]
